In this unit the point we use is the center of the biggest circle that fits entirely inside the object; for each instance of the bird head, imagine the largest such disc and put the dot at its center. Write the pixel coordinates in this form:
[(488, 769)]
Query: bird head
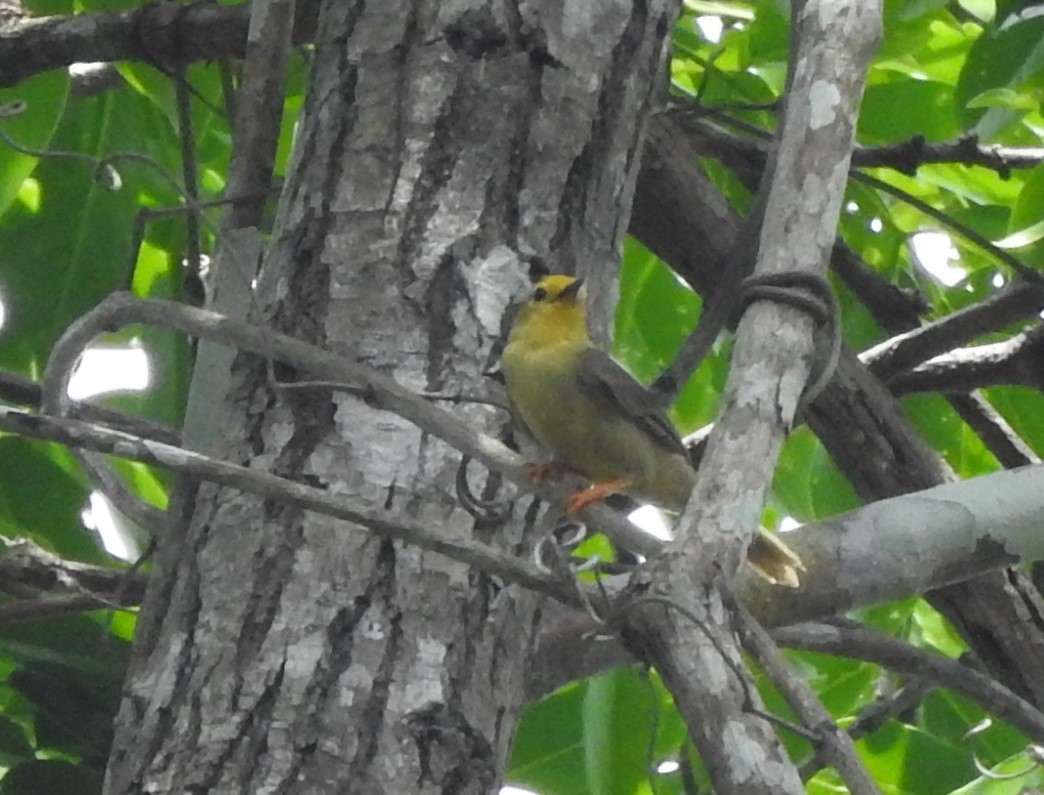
[(555, 313)]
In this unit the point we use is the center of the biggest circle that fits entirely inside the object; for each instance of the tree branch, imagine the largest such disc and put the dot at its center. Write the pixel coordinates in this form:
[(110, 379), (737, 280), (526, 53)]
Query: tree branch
[(692, 645), (889, 549), (851, 640), (907, 350), (163, 35), (76, 433), (834, 744), (1017, 361)]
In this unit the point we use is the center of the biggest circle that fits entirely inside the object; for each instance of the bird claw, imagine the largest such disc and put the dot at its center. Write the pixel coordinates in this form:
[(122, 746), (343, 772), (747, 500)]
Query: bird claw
[(596, 493)]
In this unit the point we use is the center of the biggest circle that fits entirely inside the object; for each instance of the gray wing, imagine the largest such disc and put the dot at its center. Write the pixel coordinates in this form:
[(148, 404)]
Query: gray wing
[(605, 382)]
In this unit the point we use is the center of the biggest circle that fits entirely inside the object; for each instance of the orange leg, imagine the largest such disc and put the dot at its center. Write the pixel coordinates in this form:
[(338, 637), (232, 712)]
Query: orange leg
[(596, 493), (541, 473)]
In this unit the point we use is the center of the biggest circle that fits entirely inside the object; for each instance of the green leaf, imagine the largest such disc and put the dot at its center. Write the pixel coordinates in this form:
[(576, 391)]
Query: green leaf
[(1005, 57), (1026, 778), (74, 712), (948, 434), (655, 319), (78, 644), (618, 712), (15, 746), (936, 632), (949, 716), (807, 484), (1024, 237), (927, 110), (655, 314), (1024, 224), (1003, 97), (905, 759), (43, 97), (62, 260), (1022, 408), (40, 498), (770, 33), (547, 750)]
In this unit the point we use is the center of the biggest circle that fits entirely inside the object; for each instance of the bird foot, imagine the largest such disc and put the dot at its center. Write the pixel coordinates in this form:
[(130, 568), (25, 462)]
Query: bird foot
[(596, 493)]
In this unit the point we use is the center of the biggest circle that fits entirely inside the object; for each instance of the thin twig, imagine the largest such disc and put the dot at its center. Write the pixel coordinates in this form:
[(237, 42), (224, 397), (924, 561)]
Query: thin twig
[(51, 607), (76, 433), (850, 640), (873, 716), (965, 231), (834, 745)]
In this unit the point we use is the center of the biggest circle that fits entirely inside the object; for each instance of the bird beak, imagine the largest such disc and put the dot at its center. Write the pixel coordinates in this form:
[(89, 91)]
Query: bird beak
[(572, 290)]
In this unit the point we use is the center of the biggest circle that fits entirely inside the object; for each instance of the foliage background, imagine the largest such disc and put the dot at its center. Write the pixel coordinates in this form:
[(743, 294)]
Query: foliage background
[(944, 70)]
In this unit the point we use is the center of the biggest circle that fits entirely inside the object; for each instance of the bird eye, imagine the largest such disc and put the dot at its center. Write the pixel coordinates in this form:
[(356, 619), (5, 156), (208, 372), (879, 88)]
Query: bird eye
[(539, 294)]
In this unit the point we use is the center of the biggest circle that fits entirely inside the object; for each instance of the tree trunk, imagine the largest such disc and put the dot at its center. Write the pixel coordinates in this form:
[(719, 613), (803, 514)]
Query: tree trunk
[(443, 148)]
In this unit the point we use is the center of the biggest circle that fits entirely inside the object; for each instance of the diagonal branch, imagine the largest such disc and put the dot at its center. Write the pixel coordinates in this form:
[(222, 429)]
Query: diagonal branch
[(481, 556), (835, 745), (1017, 361), (847, 639)]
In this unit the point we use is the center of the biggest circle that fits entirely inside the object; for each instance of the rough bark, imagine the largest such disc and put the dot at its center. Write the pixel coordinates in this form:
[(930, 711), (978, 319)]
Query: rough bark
[(443, 147)]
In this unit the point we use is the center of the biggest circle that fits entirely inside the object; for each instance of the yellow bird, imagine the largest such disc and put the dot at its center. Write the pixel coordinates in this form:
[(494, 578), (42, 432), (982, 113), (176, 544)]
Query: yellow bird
[(598, 421)]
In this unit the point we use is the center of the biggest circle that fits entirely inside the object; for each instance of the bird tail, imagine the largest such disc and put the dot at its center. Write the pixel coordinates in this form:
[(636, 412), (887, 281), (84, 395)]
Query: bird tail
[(774, 560)]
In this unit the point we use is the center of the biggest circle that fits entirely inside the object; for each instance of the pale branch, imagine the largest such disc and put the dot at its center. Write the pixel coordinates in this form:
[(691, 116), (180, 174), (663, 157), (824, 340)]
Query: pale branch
[(905, 351), (805, 186), (1010, 450), (1016, 361), (257, 112), (848, 639), (76, 433), (833, 744), (890, 549)]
